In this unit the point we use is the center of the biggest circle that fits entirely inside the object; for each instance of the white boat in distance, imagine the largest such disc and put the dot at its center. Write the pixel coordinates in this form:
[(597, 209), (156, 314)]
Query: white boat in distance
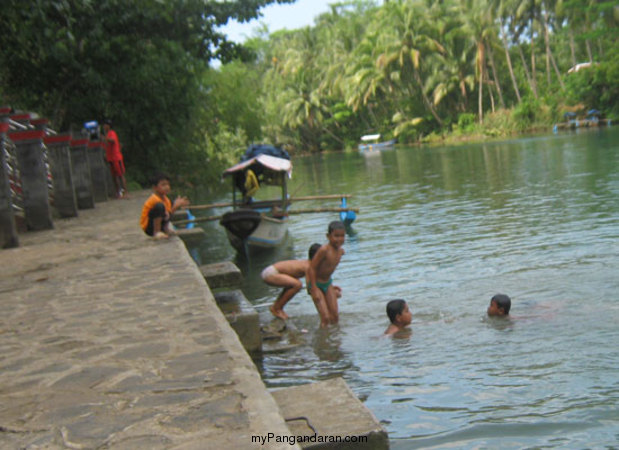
[(370, 142)]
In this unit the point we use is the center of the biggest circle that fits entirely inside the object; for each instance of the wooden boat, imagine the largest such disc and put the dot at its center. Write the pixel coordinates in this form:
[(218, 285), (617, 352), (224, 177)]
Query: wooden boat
[(573, 122), (370, 142), (262, 224), (256, 225)]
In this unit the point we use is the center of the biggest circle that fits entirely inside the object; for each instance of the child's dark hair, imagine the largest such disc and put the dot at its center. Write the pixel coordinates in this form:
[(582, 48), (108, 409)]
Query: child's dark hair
[(155, 179), (312, 250), (503, 301), (336, 225), (395, 307)]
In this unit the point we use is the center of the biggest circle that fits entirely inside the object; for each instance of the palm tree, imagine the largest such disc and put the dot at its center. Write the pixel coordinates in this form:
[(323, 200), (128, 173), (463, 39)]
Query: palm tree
[(362, 79), (546, 6), (291, 84), (479, 22), (453, 73), (527, 16), (504, 14), (406, 41)]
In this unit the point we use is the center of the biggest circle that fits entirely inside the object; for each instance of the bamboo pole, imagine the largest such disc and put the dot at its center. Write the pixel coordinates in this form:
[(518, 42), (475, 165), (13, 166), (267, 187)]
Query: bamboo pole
[(319, 197), (212, 205), (319, 210), (197, 219), (294, 211), (290, 200)]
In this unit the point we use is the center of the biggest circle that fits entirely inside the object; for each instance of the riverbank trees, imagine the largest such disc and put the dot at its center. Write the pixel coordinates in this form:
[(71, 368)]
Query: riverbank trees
[(418, 70), (421, 70), (143, 63)]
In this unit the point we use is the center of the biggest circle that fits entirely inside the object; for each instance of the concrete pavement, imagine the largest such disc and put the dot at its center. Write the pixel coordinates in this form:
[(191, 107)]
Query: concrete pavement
[(111, 340)]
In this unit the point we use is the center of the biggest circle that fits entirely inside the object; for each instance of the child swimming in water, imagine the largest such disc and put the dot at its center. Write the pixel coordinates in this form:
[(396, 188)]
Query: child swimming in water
[(399, 314), (322, 266), (500, 305)]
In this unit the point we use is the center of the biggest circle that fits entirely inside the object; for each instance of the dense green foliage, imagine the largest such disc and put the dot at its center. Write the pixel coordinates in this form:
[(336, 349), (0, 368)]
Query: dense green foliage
[(420, 70), (417, 70), (141, 62)]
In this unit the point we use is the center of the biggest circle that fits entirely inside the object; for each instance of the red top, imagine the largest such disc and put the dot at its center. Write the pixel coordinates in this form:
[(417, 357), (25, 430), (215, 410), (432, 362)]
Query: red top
[(112, 147)]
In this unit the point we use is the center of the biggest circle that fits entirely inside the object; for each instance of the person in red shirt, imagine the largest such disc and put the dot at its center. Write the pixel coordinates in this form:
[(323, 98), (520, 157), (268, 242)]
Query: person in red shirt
[(114, 157)]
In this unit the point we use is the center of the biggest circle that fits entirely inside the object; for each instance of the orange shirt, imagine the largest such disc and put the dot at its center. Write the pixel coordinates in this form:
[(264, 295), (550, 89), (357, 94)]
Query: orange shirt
[(150, 204)]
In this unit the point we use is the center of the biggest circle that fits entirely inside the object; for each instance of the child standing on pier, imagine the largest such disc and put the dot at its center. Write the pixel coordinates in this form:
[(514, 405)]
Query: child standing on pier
[(114, 157), (155, 219), (321, 268)]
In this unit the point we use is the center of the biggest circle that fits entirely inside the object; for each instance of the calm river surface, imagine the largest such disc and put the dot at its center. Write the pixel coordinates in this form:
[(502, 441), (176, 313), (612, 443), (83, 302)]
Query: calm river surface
[(446, 228)]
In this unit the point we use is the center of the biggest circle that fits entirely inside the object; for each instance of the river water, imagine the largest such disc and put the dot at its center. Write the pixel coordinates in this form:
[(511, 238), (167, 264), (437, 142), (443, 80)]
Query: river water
[(446, 228)]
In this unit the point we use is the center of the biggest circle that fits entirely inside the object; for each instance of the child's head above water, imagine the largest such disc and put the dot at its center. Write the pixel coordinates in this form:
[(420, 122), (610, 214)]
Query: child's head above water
[(398, 313), (500, 305)]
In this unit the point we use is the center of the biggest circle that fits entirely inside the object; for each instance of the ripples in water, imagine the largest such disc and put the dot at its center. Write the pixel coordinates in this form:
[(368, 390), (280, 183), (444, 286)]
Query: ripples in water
[(446, 229)]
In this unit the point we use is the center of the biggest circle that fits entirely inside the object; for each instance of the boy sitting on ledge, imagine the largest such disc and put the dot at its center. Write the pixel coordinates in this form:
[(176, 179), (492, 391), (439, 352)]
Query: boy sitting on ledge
[(155, 219)]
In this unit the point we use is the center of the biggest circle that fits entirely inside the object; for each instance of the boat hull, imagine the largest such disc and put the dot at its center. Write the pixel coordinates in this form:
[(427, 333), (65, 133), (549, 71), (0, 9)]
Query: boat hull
[(376, 146), (248, 230)]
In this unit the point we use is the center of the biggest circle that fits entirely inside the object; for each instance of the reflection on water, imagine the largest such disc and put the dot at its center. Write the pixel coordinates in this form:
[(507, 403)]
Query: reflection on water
[(446, 228)]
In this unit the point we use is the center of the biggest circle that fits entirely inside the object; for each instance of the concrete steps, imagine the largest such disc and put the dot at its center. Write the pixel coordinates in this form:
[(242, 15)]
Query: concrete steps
[(322, 415), (328, 415)]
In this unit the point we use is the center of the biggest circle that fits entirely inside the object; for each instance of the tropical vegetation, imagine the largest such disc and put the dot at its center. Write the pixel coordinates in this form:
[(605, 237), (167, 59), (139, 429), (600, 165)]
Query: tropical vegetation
[(422, 70), (416, 70)]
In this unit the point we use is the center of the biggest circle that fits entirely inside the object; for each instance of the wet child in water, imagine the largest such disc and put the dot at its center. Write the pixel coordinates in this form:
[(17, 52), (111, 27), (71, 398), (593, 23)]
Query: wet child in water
[(287, 274), (321, 268), (400, 316), (500, 305)]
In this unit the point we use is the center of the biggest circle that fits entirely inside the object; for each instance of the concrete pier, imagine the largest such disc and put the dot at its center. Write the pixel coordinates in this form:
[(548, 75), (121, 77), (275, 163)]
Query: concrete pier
[(33, 178), (222, 275), (327, 415), (82, 179), (109, 339), (242, 317), (8, 229), (59, 151), (99, 170)]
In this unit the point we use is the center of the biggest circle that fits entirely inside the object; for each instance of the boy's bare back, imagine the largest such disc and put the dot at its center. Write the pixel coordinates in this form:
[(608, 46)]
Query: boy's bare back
[(296, 268)]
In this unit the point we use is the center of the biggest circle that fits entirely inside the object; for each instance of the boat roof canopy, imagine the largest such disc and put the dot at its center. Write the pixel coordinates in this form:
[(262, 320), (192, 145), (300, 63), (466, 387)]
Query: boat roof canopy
[(370, 137), (268, 162)]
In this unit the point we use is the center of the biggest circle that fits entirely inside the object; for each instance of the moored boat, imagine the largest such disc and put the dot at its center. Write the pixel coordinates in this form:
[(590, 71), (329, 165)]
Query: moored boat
[(262, 224), (255, 225), (592, 119), (370, 142)]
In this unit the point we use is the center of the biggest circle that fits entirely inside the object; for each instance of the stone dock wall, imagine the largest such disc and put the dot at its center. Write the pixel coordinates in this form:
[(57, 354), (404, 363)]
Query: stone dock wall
[(111, 340)]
